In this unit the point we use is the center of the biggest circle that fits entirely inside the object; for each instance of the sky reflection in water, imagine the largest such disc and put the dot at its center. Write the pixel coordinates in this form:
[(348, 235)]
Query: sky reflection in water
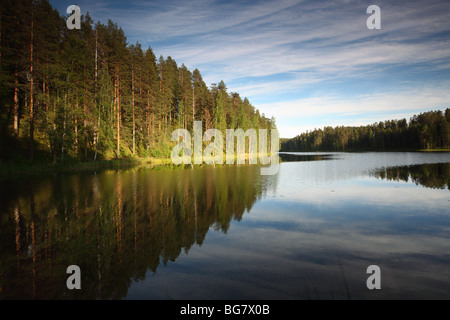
[(320, 214), (229, 233)]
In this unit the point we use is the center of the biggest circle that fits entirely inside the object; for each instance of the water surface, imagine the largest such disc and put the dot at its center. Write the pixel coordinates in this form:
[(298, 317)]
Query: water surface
[(226, 232)]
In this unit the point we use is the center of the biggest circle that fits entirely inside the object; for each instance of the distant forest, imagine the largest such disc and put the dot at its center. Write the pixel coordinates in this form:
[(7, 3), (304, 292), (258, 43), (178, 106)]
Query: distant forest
[(88, 94), (428, 130)]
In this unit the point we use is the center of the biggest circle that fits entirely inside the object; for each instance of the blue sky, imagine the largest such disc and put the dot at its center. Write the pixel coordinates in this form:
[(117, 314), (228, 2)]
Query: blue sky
[(307, 63)]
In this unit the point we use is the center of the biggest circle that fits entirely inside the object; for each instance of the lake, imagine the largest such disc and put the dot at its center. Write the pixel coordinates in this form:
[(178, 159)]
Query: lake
[(226, 232)]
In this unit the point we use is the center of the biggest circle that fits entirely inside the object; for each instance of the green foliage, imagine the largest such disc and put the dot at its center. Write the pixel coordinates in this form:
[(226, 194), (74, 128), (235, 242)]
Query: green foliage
[(428, 130), (218, 114), (94, 95)]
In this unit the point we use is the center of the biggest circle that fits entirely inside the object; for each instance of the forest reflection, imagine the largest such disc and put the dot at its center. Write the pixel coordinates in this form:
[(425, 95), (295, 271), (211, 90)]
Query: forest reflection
[(435, 175), (116, 226), (294, 157)]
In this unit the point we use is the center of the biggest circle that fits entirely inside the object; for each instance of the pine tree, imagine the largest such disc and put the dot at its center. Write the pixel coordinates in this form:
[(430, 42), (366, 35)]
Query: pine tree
[(87, 93), (151, 90)]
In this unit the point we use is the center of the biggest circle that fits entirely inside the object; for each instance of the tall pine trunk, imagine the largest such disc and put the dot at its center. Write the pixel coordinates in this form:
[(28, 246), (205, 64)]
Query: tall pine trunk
[(76, 122), (147, 116), (97, 130), (118, 113), (85, 121), (16, 104), (193, 104), (31, 84), (132, 106)]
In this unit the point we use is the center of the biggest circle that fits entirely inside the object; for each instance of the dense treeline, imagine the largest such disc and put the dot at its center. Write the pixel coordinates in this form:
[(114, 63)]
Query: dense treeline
[(428, 130), (87, 93)]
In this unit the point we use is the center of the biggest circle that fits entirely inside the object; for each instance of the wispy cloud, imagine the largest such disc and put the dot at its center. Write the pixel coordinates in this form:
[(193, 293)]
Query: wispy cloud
[(318, 55), (310, 113)]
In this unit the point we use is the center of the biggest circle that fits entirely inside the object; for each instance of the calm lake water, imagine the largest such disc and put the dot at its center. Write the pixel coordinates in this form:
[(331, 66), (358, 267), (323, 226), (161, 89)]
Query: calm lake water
[(226, 232)]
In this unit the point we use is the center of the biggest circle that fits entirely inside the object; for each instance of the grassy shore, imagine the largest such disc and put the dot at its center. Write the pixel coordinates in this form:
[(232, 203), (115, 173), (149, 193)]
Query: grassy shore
[(26, 167), (435, 150), (69, 166), (73, 166), (39, 167)]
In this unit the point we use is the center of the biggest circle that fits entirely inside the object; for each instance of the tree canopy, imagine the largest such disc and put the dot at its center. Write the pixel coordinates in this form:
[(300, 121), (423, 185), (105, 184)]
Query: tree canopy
[(428, 130), (87, 94)]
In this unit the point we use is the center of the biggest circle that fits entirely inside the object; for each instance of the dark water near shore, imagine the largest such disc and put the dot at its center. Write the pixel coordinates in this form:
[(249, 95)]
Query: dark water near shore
[(226, 232)]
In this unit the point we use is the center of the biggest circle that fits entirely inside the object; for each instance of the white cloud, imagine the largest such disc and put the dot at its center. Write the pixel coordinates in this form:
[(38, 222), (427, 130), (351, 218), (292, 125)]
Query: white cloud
[(265, 49), (355, 111)]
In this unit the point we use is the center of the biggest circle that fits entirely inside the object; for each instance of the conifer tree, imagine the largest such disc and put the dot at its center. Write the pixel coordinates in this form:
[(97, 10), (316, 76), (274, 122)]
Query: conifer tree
[(83, 94)]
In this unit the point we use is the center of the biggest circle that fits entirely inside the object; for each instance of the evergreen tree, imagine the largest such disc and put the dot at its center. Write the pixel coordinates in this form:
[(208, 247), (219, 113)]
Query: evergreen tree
[(84, 94), (427, 130)]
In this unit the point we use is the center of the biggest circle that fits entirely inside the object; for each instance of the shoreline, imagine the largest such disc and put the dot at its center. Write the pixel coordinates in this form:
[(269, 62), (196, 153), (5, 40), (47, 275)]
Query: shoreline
[(26, 167), (14, 169), (361, 151)]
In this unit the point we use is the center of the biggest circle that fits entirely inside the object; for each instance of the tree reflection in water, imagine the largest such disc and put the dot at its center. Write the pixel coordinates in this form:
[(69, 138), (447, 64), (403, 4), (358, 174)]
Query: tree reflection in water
[(435, 175), (116, 225)]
